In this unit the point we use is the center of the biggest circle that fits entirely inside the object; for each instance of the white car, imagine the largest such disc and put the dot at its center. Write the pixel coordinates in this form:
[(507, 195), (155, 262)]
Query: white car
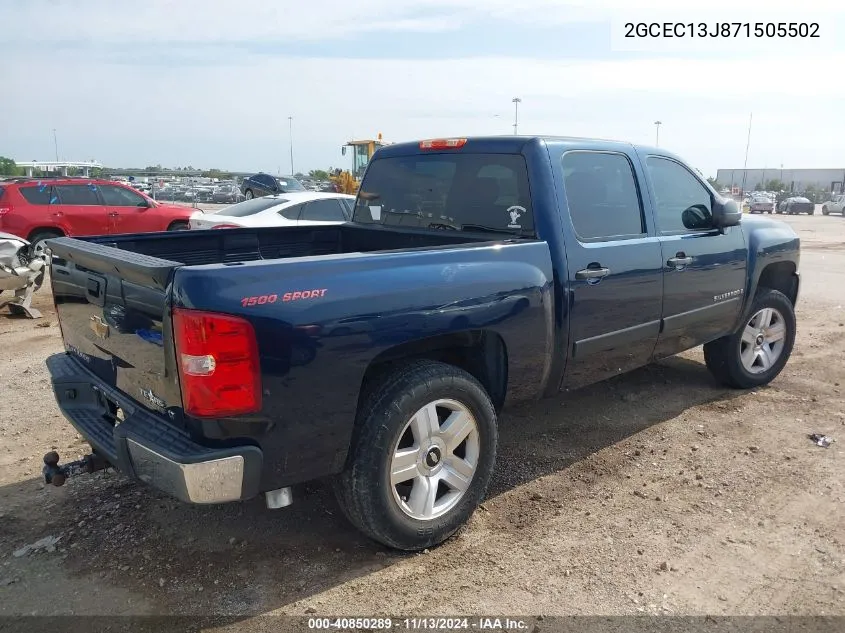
[(297, 208)]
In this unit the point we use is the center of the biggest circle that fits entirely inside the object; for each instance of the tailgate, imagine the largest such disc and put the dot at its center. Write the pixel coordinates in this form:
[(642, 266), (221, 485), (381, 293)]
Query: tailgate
[(112, 307)]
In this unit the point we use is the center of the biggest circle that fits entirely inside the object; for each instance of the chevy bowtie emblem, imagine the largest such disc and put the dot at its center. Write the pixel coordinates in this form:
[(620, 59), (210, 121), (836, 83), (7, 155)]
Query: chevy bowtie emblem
[(99, 327)]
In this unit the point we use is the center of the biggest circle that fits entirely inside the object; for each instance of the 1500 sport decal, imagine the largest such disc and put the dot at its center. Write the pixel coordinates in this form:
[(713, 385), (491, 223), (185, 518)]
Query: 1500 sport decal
[(297, 295)]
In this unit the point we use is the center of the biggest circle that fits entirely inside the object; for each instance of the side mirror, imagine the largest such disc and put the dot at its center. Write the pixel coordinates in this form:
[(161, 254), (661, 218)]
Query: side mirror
[(343, 150), (145, 204), (726, 213), (697, 218)]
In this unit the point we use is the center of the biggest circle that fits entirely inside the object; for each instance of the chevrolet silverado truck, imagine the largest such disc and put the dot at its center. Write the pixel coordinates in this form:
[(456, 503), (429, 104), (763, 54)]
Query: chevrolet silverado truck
[(221, 365)]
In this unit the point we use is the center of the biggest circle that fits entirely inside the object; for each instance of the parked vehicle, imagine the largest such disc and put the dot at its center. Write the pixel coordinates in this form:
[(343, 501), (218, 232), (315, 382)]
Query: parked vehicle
[(474, 274), (761, 204), (227, 194), (266, 185), (797, 204), (835, 205), (38, 209), (299, 208)]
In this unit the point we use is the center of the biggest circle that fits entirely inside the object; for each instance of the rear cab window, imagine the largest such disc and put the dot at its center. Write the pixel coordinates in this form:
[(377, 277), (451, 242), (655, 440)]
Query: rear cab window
[(484, 192)]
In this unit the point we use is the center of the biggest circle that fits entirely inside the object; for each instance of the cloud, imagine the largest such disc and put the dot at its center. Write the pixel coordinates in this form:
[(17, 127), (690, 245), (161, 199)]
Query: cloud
[(171, 83)]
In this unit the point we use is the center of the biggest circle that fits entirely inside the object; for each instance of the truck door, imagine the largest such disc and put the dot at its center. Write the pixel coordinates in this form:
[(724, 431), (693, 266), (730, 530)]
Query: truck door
[(704, 269), (614, 265)]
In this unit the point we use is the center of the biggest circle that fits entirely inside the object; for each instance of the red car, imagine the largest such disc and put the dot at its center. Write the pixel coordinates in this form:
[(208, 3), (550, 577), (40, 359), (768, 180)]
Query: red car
[(38, 209)]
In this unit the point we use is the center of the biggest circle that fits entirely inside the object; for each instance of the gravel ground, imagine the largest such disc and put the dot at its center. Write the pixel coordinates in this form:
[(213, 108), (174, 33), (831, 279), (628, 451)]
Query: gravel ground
[(654, 493)]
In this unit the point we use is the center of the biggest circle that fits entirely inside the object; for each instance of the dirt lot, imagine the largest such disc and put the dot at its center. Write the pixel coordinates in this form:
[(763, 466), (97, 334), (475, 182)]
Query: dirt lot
[(657, 492)]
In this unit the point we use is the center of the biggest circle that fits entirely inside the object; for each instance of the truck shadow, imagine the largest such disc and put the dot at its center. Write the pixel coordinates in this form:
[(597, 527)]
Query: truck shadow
[(243, 560)]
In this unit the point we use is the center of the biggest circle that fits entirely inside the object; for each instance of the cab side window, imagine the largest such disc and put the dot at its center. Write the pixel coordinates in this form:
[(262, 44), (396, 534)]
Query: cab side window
[(681, 202), (602, 196)]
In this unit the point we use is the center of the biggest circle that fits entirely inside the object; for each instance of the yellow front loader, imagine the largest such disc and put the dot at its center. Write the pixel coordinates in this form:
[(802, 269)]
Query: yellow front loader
[(362, 152)]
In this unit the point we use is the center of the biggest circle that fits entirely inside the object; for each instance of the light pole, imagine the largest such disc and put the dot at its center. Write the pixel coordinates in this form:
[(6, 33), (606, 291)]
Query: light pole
[(657, 125), (56, 145), (516, 101), (747, 145), (290, 131)]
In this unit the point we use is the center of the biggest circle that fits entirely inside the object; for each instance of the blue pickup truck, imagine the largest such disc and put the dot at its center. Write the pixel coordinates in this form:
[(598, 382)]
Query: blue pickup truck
[(220, 365)]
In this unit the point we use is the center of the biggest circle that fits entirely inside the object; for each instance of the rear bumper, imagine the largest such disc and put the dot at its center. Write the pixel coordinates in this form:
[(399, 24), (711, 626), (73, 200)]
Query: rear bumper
[(146, 446)]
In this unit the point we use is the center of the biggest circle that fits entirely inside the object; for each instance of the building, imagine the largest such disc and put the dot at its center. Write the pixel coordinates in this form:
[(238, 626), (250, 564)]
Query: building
[(58, 166), (795, 179)]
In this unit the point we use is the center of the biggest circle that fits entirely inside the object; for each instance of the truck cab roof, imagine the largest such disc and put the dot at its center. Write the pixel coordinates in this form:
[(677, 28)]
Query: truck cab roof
[(514, 144)]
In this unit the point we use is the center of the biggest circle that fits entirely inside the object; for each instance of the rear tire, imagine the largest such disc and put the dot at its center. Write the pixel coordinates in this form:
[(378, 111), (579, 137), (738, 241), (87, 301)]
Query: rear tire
[(248, 194), (37, 239), (825, 211), (756, 353), (412, 480)]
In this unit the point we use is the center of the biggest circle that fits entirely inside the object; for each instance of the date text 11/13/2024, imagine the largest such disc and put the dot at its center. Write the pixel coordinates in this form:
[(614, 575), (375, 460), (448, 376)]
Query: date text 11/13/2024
[(654, 30), (420, 624)]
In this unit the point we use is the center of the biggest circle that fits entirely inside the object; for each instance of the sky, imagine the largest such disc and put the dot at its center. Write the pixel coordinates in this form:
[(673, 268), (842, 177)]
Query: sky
[(211, 84)]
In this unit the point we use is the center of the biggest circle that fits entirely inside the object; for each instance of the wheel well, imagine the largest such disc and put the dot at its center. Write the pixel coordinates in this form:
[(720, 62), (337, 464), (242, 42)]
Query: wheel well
[(780, 276), (177, 222), (44, 229), (478, 352)]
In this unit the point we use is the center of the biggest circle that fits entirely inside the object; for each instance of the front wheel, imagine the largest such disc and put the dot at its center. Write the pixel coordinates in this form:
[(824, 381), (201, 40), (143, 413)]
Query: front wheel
[(179, 226), (756, 353), (825, 211), (421, 457), (248, 194)]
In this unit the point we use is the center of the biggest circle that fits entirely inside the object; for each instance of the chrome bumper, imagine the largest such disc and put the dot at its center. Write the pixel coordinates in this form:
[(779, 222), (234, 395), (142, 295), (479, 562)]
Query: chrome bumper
[(214, 481), (147, 446)]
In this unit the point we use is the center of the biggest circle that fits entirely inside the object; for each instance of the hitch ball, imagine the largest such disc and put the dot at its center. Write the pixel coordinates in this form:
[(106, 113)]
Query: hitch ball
[(52, 473)]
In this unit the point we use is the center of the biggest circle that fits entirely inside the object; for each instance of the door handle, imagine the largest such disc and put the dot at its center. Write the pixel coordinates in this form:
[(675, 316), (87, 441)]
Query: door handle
[(114, 214), (592, 273), (679, 260)]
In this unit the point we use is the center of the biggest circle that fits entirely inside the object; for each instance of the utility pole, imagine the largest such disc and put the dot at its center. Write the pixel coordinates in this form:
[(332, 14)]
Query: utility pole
[(516, 101), (747, 145), (290, 130), (657, 125), (56, 145)]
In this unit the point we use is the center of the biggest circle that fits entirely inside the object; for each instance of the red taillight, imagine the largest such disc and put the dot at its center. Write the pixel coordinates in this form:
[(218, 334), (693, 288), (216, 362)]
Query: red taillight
[(226, 226), (217, 355), (443, 143)]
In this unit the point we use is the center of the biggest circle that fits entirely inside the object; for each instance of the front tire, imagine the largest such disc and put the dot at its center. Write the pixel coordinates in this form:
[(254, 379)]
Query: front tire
[(179, 226), (248, 194), (422, 455), (756, 353), (825, 211)]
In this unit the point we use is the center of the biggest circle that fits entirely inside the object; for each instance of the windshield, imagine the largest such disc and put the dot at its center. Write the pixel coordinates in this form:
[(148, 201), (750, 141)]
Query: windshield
[(289, 183), (448, 191), (251, 207)]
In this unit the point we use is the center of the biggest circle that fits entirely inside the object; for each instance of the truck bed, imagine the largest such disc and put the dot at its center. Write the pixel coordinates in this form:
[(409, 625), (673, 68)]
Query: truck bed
[(193, 248)]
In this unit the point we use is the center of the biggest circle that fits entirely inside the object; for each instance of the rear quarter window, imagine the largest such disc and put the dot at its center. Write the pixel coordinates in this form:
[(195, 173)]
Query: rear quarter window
[(454, 191)]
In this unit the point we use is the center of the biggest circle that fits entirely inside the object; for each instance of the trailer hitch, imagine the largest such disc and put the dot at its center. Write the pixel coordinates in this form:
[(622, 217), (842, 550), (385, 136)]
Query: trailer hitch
[(58, 475)]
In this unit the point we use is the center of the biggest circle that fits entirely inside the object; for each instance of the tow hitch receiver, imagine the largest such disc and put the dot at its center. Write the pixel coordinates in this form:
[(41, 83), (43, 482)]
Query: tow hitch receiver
[(58, 475)]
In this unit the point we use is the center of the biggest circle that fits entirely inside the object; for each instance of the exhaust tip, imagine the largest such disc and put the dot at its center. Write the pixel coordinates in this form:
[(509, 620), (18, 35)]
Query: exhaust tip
[(279, 498)]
